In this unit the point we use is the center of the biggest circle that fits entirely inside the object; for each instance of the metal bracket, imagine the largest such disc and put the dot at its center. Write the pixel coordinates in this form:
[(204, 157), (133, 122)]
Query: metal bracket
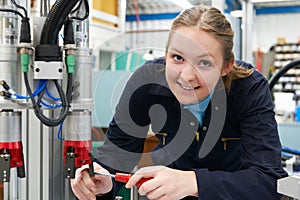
[(4, 167), (21, 171), (70, 165), (289, 186), (48, 70)]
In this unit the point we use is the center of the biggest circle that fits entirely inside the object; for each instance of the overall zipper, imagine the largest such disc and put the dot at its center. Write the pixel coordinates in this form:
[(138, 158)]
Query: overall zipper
[(197, 136), (228, 139), (164, 135)]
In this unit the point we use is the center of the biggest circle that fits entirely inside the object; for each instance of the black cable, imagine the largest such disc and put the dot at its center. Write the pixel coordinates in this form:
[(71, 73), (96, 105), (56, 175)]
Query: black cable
[(281, 72), (87, 11), (25, 36), (64, 110), (13, 11), (38, 112), (34, 105), (49, 37), (55, 20), (21, 7), (69, 39), (69, 87), (69, 32), (40, 96), (77, 7)]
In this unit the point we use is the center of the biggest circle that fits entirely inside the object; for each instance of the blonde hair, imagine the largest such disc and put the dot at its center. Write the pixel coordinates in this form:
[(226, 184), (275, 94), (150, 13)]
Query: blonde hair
[(211, 20)]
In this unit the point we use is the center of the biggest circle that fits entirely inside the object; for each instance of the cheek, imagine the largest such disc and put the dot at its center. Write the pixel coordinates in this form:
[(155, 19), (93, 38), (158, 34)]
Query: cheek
[(209, 79), (171, 73)]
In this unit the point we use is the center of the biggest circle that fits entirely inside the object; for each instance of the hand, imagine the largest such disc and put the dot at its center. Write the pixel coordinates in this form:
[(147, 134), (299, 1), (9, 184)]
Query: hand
[(86, 187), (167, 183)]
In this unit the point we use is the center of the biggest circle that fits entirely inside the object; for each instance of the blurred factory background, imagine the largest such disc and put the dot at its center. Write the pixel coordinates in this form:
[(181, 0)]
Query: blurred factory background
[(119, 36)]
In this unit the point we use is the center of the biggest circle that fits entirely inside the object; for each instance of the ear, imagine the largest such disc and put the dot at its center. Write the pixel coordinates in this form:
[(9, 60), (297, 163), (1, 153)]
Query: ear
[(227, 68)]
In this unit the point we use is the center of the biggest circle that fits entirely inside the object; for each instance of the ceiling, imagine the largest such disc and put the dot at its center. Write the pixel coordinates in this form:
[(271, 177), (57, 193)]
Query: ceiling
[(166, 6), (275, 3), (158, 6)]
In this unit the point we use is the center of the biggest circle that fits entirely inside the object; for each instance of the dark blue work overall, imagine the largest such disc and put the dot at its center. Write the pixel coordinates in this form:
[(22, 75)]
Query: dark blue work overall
[(241, 159)]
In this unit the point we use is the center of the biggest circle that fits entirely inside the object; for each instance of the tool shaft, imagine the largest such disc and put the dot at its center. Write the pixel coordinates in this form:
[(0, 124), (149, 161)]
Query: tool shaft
[(102, 174), (123, 177)]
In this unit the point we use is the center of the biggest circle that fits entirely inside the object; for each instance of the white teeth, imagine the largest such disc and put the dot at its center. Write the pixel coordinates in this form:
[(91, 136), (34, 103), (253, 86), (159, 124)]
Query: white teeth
[(187, 88)]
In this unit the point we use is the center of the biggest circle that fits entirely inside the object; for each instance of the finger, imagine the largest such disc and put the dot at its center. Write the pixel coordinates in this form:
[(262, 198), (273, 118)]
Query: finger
[(144, 172), (85, 184), (80, 190), (76, 189), (133, 180), (149, 186), (82, 168), (88, 181), (97, 166), (163, 197), (158, 193), (101, 177), (80, 195)]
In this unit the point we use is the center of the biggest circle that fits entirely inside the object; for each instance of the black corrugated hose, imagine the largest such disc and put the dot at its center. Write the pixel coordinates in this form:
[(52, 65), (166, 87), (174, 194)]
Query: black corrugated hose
[(48, 50), (55, 20)]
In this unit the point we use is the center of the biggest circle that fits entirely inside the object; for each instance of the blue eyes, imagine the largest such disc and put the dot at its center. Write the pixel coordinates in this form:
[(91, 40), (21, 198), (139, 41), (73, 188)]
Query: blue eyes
[(204, 63), (201, 64)]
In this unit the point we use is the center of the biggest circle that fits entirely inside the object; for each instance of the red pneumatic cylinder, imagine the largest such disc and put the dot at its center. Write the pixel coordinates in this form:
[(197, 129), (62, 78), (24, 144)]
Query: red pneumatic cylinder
[(11, 148), (15, 149), (77, 141), (81, 151)]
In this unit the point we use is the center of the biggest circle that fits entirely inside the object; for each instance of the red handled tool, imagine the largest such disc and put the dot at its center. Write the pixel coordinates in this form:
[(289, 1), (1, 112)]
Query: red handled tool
[(124, 178)]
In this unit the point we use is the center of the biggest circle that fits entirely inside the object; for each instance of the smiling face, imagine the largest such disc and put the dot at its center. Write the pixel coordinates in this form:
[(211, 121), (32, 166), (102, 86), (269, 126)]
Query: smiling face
[(194, 64)]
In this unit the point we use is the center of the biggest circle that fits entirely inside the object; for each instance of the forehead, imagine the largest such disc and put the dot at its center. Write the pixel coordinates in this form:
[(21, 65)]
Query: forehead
[(193, 41)]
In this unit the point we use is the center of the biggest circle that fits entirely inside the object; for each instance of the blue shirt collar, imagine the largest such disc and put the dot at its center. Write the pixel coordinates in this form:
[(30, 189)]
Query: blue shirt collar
[(199, 108)]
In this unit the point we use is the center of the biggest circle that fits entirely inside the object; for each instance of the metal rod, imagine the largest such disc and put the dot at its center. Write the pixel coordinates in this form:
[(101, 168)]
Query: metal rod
[(102, 174), (45, 6)]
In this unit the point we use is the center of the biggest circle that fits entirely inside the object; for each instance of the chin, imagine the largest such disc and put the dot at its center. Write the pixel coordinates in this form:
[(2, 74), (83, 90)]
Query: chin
[(187, 101)]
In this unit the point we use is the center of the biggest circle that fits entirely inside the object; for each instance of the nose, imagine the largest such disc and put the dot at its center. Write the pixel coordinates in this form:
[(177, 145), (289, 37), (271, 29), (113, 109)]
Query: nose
[(188, 72)]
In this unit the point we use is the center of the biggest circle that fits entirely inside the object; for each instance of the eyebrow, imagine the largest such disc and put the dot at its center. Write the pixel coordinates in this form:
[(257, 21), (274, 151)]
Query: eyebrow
[(203, 55)]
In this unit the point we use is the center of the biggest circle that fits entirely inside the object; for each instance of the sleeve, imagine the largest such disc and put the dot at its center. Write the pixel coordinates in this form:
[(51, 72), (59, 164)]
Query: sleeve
[(124, 141), (260, 162)]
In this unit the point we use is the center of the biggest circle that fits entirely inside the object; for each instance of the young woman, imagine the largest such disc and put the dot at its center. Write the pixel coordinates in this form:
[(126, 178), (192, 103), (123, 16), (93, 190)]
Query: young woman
[(212, 115)]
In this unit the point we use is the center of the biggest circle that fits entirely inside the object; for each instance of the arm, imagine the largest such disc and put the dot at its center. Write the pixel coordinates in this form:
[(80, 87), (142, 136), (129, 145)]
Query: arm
[(260, 163), (165, 183), (127, 131), (86, 187)]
